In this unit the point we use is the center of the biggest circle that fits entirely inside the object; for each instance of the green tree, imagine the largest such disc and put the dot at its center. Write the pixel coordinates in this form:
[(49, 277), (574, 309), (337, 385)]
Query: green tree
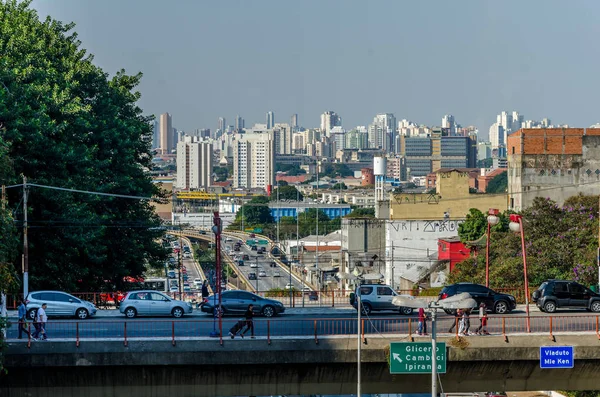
[(334, 170), (256, 212), (286, 193), (362, 213), (485, 163), (222, 173), (561, 242), (498, 184), (339, 186), (67, 124)]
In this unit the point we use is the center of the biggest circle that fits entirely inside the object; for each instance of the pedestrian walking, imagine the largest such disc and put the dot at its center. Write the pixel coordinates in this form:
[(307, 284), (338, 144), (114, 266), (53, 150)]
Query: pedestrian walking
[(204, 290), (483, 317), (237, 327), (422, 330), (457, 320), (40, 323), (466, 321), (249, 322), (22, 313)]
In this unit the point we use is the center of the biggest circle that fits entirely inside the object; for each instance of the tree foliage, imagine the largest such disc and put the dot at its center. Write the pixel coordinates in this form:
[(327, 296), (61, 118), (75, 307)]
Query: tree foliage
[(334, 170), (255, 213), (498, 184), (560, 242), (68, 124), (362, 213), (286, 192), (339, 186)]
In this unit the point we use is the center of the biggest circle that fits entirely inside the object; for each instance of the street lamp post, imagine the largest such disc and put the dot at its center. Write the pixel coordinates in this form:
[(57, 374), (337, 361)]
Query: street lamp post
[(217, 228), (516, 225), (492, 220)]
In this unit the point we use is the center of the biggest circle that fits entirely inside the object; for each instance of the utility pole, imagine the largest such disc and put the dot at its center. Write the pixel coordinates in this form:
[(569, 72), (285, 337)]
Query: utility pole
[(3, 293), (25, 242)]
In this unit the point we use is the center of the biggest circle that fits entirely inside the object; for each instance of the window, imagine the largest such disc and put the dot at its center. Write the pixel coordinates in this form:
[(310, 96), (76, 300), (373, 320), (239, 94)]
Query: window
[(479, 289), (64, 298), (386, 291), (576, 288), (133, 296), (366, 290), (560, 287), (231, 295), (158, 297)]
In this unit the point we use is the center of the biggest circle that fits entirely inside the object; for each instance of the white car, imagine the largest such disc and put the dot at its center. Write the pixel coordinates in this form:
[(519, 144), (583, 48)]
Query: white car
[(253, 265), (262, 273), (289, 286)]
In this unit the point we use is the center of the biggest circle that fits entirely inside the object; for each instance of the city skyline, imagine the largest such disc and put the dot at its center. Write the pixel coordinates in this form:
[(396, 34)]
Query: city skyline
[(441, 61)]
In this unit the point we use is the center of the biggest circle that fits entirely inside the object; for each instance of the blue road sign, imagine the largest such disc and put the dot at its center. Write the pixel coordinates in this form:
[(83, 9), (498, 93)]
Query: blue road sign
[(556, 357)]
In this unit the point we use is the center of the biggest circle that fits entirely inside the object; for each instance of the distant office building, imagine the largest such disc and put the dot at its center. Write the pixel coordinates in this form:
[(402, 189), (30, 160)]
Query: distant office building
[(166, 133), (254, 161), (270, 120), (194, 164), (329, 120), (424, 155), (338, 138), (484, 150), (239, 123), (298, 144), (294, 122), (222, 127)]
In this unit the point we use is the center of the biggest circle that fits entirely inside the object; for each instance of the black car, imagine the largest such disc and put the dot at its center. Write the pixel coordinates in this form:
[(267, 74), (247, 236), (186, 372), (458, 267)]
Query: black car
[(495, 301), (236, 302), (554, 294)]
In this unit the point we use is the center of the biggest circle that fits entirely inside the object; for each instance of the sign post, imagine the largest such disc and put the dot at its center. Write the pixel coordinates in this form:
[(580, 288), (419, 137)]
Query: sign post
[(557, 357), (416, 357)]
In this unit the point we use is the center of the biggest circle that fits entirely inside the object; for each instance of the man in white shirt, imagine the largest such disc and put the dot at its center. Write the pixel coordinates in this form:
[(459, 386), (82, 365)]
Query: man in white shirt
[(40, 322)]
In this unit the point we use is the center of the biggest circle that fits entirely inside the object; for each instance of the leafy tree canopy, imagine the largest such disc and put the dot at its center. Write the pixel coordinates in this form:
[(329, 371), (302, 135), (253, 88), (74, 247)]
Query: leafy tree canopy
[(286, 193), (289, 169), (561, 242), (362, 213), (499, 184), (340, 186), (68, 124), (334, 170)]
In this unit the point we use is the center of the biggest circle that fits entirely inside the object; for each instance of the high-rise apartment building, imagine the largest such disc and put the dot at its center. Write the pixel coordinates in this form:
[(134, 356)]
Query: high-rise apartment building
[(270, 120), (166, 133), (357, 138), (222, 127), (329, 120), (338, 139), (382, 132), (282, 134), (294, 122), (449, 123), (239, 123), (298, 143), (194, 164), (155, 135), (254, 160)]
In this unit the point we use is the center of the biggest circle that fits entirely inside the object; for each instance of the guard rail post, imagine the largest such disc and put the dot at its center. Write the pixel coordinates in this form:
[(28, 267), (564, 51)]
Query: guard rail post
[(268, 332), (551, 336), (410, 334), (362, 330), (77, 334), (125, 333), (173, 332), (315, 326), (504, 329)]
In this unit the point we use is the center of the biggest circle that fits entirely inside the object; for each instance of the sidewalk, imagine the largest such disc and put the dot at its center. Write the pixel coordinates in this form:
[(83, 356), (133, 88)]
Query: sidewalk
[(324, 310)]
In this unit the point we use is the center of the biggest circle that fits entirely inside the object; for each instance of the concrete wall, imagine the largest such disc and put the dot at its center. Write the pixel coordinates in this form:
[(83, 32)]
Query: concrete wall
[(292, 367), (412, 246), (425, 206)]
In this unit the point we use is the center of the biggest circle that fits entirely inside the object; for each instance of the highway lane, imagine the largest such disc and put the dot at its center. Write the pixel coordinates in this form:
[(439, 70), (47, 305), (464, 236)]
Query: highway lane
[(305, 325), (274, 277)]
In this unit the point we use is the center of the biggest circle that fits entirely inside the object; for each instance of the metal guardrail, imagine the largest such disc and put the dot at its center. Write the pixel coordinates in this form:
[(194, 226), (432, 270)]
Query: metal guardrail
[(267, 329)]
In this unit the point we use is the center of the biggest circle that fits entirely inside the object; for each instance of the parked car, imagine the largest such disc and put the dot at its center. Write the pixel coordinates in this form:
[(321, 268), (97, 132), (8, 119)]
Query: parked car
[(377, 297), (236, 302), (153, 303), (59, 304), (252, 276), (494, 301), (558, 294)]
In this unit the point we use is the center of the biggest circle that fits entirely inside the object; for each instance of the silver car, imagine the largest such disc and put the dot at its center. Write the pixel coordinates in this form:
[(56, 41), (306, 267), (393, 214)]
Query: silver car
[(60, 304), (153, 303)]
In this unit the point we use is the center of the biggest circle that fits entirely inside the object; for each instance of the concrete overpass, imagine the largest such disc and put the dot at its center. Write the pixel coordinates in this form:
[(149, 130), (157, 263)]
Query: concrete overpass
[(202, 367)]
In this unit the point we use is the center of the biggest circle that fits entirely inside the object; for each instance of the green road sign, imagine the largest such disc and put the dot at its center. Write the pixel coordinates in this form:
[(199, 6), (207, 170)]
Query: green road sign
[(263, 242), (250, 242), (258, 230), (415, 358)]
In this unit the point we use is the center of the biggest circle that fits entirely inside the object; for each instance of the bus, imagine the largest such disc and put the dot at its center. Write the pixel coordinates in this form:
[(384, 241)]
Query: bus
[(156, 284)]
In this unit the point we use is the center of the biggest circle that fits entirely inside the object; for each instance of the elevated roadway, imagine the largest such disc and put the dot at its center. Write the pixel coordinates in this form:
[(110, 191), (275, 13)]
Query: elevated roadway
[(290, 366)]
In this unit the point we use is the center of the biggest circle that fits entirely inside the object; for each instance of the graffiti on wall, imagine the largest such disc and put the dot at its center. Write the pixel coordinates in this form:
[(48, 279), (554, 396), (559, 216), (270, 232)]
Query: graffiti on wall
[(434, 226)]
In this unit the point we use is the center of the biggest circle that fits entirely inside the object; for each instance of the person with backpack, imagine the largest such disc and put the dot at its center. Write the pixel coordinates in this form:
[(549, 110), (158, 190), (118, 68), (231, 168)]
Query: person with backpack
[(457, 321)]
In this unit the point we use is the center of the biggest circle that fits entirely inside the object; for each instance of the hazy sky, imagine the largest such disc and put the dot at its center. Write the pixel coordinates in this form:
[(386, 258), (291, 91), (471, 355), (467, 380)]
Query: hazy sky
[(417, 59)]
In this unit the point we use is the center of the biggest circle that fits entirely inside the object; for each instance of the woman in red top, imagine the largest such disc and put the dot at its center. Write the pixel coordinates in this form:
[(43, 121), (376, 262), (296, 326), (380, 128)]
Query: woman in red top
[(422, 322)]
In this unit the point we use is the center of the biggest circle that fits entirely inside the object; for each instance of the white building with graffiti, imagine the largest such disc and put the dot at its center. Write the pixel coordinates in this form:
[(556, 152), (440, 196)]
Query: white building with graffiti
[(412, 249)]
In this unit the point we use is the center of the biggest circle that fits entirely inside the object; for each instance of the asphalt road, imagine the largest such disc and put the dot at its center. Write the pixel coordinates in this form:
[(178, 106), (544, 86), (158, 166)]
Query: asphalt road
[(338, 322), (261, 262)]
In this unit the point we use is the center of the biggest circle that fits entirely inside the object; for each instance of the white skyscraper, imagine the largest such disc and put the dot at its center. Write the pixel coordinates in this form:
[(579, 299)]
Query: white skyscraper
[(282, 134), (254, 160), (449, 123), (270, 120), (382, 132), (506, 123), (338, 138), (194, 164), (329, 120), (166, 133)]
